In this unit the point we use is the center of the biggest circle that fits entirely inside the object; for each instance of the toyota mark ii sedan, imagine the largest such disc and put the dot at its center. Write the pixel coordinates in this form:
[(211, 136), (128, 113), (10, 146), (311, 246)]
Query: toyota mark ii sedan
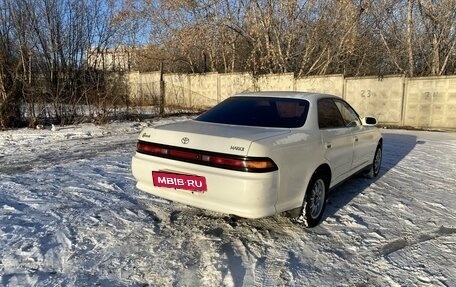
[(258, 154)]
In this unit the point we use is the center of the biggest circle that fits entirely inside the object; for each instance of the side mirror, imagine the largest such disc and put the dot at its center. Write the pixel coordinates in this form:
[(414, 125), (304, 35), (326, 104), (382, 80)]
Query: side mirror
[(369, 121)]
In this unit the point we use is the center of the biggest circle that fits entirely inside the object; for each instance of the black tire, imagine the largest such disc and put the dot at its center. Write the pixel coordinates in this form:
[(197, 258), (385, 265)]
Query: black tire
[(314, 202), (374, 170)]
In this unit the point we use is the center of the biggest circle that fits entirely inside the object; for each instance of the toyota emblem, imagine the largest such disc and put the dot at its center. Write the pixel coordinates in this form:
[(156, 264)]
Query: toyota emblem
[(185, 140)]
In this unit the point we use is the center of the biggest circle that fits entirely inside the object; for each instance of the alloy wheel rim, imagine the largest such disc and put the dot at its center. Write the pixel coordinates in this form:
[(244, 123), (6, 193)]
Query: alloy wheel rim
[(317, 198), (377, 161)]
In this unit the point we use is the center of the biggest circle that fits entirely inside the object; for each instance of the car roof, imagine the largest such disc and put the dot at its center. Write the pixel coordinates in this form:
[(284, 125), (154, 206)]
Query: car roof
[(310, 96)]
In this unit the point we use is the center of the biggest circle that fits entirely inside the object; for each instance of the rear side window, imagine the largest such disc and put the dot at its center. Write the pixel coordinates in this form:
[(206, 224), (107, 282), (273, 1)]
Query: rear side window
[(259, 111), (329, 115)]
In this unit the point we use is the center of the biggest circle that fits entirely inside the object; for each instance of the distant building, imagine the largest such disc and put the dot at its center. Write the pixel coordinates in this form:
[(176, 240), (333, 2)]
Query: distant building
[(121, 58)]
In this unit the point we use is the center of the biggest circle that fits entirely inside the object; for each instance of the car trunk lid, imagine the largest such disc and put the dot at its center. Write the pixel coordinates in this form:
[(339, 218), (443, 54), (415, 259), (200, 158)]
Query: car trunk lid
[(220, 138)]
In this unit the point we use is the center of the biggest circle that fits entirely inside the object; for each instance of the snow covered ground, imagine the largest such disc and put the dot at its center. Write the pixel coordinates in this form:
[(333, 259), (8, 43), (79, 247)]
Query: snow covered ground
[(70, 216)]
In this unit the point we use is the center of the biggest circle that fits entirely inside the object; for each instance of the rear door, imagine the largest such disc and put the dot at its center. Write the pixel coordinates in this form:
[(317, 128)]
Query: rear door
[(337, 139)]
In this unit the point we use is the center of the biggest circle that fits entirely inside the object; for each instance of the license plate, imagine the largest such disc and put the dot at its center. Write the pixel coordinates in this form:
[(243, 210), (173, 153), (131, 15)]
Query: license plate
[(179, 181)]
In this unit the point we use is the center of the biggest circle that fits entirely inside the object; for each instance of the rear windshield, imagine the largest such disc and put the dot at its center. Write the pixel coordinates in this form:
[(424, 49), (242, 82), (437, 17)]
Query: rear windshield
[(259, 112)]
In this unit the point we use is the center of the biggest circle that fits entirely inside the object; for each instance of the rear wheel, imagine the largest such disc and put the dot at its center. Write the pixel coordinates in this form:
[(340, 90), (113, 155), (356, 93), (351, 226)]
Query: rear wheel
[(314, 202)]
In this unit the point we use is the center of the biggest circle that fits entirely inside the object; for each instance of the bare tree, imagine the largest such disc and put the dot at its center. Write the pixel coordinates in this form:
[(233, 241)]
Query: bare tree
[(52, 42), (10, 66), (439, 31)]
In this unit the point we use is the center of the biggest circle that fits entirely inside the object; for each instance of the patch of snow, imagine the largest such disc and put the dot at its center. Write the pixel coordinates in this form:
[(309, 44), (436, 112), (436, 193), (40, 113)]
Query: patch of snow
[(70, 215)]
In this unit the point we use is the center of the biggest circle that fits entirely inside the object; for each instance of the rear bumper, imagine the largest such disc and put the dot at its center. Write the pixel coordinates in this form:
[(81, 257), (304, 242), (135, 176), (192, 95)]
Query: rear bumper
[(250, 195)]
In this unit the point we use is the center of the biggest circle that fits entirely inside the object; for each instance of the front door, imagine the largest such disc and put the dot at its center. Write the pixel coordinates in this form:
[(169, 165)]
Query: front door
[(362, 136)]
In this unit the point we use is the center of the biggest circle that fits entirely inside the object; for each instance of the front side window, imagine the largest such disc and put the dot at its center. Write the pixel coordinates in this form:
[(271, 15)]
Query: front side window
[(350, 117), (259, 111), (329, 116)]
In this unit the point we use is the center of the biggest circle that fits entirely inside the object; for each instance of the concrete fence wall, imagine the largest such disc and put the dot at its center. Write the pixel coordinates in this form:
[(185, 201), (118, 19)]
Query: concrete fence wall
[(381, 97), (430, 102), (395, 100)]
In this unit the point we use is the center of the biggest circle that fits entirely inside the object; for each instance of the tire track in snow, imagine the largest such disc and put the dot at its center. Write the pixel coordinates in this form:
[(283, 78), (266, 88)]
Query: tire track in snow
[(238, 252), (257, 252), (413, 239)]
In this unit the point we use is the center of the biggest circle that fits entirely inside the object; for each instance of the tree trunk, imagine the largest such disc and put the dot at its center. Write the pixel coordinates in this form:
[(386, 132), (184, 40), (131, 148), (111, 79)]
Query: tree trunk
[(410, 38)]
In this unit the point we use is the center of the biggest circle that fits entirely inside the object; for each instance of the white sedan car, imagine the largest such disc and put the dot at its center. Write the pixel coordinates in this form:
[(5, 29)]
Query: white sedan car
[(258, 154)]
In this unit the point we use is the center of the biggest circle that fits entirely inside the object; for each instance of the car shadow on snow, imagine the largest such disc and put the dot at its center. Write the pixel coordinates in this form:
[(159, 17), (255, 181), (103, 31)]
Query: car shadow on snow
[(395, 148)]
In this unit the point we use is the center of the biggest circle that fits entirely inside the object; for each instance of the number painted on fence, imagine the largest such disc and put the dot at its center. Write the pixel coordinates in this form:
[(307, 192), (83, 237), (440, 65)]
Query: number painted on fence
[(366, 94), (430, 95)]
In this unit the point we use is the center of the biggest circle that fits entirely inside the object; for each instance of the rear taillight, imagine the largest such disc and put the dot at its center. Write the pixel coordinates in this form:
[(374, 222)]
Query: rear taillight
[(247, 164), (150, 149)]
